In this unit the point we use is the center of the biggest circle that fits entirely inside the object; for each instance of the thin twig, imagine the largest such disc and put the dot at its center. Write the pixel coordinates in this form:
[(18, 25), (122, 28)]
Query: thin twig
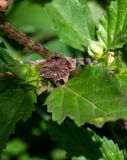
[(20, 37), (27, 41)]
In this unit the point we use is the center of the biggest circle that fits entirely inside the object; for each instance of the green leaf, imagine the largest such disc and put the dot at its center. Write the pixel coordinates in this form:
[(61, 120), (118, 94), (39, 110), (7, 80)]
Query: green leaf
[(92, 97), (5, 59), (96, 10), (72, 22), (76, 141), (81, 142), (14, 52), (15, 105), (24, 72), (17, 95), (79, 158), (112, 31), (20, 18), (57, 45), (109, 149), (122, 75)]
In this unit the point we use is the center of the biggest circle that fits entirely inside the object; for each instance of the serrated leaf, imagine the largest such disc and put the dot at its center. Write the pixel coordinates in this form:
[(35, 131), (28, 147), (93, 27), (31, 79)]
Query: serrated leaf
[(81, 142), (15, 105), (17, 95), (112, 31), (72, 22), (76, 141), (92, 97), (109, 150)]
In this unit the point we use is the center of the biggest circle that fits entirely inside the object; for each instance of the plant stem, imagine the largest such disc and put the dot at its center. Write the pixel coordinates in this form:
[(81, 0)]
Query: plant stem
[(27, 41), (20, 37)]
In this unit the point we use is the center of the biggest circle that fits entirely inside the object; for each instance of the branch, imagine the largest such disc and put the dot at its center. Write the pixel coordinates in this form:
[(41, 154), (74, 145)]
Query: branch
[(27, 41), (20, 37)]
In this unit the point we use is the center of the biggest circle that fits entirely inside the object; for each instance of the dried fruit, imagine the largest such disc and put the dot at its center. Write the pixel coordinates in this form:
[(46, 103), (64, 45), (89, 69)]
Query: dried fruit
[(58, 68)]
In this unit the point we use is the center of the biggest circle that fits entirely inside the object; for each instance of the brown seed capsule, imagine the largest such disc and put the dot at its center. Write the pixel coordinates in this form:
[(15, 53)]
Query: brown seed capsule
[(4, 5), (58, 68)]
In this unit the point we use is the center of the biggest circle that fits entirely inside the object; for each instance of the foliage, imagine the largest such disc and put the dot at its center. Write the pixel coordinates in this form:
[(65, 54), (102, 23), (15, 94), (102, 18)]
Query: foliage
[(84, 142), (88, 103), (88, 106), (112, 31), (75, 29), (17, 95)]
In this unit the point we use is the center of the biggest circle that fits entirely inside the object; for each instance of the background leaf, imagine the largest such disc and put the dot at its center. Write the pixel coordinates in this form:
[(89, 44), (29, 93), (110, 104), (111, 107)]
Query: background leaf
[(72, 22), (20, 18), (5, 59), (15, 104), (76, 141), (24, 72), (82, 142), (96, 10), (108, 149), (112, 31), (17, 96), (92, 97)]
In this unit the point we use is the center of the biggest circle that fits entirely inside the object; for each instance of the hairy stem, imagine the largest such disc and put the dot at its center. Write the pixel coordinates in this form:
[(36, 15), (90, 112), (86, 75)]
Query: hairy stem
[(20, 37), (27, 41)]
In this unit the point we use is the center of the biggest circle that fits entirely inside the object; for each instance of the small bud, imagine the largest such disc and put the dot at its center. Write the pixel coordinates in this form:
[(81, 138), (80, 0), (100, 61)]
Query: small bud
[(95, 49)]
